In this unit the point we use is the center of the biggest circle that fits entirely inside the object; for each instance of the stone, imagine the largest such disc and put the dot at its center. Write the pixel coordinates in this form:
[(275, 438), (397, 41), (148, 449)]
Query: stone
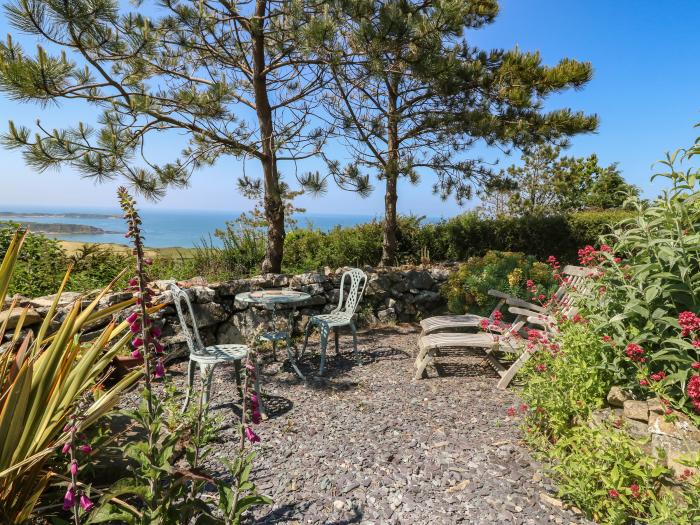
[(617, 397), (209, 314), (655, 406), (551, 500), (419, 280), (636, 410), (13, 315), (387, 316)]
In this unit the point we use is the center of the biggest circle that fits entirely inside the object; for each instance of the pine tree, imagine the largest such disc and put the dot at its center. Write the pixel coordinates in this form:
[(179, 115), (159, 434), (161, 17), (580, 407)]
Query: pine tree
[(410, 98), (233, 75)]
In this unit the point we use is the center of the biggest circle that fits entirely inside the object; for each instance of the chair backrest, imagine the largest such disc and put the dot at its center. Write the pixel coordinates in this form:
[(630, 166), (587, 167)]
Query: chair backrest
[(191, 332), (358, 281)]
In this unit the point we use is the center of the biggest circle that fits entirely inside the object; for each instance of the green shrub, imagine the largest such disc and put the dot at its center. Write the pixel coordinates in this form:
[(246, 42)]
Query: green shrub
[(466, 289), (41, 266), (566, 382), (613, 481), (650, 278)]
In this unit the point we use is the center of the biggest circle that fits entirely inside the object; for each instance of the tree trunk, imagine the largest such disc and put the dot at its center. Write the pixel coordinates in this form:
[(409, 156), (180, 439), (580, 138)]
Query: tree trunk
[(274, 207), (391, 173)]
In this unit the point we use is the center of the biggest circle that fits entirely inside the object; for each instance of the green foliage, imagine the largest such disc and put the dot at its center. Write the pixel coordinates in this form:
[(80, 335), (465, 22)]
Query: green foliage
[(651, 278), (41, 265), (608, 475), (564, 384), (161, 490), (466, 289), (547, 184)]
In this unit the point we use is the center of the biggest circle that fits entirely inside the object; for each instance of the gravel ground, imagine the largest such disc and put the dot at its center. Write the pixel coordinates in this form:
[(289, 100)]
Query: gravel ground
[(367, 445)]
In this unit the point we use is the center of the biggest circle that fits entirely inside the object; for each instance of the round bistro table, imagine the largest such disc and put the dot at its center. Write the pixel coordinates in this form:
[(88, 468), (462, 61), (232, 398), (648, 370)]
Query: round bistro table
[(273, 300)]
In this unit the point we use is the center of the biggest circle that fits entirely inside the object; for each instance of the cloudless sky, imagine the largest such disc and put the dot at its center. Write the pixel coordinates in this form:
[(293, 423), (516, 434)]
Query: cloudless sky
[(645, 90)]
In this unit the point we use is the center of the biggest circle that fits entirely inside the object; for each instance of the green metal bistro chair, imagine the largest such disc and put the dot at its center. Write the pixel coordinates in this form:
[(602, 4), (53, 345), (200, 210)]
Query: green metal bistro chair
[(207, 357), (341, 316)]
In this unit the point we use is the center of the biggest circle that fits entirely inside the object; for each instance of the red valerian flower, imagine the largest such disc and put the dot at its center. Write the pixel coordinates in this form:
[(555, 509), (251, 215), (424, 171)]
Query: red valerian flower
[(689, 323), (695, 365), (541, 367), (613, 493), (634, 489), (498, 315), (607, 338), (511, 412), (634, 352), (484, 324), (643, 382), (694, 388), (523, 407), (658, 376)]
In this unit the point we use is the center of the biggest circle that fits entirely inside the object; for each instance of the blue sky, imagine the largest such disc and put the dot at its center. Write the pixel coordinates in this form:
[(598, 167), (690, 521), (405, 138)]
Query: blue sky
[(645, 91)]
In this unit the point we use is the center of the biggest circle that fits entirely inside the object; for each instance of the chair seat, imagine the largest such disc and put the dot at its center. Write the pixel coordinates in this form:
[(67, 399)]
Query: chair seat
[(220, 353), (331, 319)]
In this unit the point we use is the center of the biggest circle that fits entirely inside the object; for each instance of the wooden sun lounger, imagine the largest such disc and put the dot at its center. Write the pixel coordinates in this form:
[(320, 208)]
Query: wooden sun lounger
[(441, 323), (509, 340)]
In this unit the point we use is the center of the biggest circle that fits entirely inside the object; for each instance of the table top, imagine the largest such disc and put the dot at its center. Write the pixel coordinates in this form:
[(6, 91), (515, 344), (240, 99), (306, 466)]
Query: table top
[(280, 296)]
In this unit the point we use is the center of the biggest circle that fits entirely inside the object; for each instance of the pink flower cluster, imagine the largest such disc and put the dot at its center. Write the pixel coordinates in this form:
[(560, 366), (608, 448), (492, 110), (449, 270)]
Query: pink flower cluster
[(537, 338), (694, 392), (71, 447), (635, 353), (690, 323), (589, 256)]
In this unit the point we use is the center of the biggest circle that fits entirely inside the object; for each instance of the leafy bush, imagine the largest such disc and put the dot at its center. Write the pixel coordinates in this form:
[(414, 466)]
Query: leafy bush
[(650, 295), (607, 475), (566, 382), (466, 289), (41, 264)]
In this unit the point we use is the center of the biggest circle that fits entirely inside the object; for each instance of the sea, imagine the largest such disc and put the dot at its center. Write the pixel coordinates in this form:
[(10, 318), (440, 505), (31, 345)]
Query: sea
[(161, 228)]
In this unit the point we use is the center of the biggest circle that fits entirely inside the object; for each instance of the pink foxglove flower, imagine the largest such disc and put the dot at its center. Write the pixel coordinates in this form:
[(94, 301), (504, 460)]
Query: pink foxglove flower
[(251, 436), (132, 318), (69, 499), (85, 449), (155, 331), (158, 347), (160, 369), (257, 418), (137, 342), (136, 354), (66, 448), (86, 503), (135, 327), (73, 468)]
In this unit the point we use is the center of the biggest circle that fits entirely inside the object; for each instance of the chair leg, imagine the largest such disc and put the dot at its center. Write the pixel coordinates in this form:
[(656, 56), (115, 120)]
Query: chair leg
[(207, 372), (354, 342), (190, 385), (237, 373), (508, 376), (422, 364), (307, 331), (324, 343), (337, 345)]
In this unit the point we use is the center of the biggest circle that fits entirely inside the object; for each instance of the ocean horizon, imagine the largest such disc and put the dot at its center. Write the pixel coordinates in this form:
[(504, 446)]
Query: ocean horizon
[(162, 228)]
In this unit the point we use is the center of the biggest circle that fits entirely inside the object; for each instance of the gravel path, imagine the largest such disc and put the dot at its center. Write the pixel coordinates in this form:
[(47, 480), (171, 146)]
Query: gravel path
[(367, 445)]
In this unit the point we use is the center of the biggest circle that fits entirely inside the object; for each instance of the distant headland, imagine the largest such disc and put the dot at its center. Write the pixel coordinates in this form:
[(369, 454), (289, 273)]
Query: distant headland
[(68, 215), (49, 228)]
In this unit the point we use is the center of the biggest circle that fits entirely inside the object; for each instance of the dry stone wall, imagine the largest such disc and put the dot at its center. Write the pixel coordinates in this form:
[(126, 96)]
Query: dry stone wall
[(392, 295)]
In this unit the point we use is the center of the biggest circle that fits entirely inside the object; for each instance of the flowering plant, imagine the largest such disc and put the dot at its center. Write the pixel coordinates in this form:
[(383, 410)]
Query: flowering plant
[(158, 491), (650, 297)]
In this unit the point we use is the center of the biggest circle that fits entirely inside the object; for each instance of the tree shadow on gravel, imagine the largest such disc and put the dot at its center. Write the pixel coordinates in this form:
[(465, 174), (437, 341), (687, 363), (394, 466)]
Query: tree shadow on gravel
[(284, 514), (275, 406)]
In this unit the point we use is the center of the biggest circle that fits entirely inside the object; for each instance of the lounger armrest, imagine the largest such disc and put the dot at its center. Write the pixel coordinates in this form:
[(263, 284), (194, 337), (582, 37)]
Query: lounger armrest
[(546, 321), (514, 301), (546, 324), (500, 295)]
